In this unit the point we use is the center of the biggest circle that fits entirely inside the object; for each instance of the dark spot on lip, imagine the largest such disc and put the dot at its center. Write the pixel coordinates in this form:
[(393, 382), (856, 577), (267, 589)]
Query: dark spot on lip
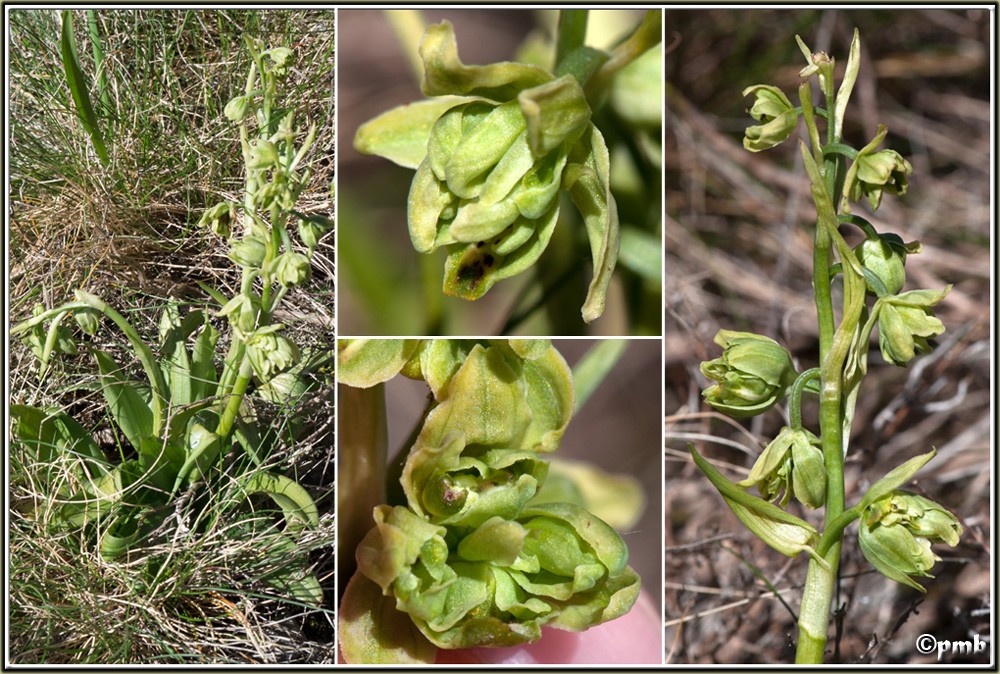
[(480, 244), (472, 273), (488, 260)]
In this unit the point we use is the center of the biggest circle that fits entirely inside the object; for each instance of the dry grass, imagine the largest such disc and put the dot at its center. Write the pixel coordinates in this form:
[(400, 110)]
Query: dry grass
[(739, 257)]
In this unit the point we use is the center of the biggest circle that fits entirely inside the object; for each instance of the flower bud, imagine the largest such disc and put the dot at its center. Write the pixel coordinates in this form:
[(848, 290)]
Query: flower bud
[(885, 257), (777, 113), (248, 252), (883, 170), (236, 109), (291, 269), (792, 463), (896, 533), (905, 323), (88, 321), (753, 373)]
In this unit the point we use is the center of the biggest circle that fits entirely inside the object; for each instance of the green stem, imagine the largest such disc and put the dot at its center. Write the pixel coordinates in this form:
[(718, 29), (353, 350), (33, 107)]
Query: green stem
[(795, 397), (572, 32)]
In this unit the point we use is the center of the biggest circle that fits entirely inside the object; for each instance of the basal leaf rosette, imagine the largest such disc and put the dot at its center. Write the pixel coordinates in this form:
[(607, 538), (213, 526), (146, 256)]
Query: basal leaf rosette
[(493, 147), (499, 583)]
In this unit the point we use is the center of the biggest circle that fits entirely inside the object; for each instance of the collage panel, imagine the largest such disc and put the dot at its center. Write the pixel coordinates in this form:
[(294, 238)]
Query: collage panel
[(500, 172), (828, 350), (499, 501), (170, 381)]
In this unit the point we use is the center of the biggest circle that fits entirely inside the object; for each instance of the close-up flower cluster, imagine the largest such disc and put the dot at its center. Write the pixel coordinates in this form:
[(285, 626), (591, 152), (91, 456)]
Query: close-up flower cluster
[(479, 551)]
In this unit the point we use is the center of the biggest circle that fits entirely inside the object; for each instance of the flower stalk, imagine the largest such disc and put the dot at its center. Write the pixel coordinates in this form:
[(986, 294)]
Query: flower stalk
[(896, 528)]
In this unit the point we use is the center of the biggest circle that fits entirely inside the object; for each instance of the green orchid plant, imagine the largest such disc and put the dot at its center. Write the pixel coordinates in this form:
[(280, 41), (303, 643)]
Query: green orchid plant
[(470, 547), (754, 373), (495, 146), (174, 429)]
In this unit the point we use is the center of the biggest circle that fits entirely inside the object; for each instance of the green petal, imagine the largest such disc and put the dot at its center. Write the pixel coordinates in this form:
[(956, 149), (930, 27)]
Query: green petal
[(400, 135), (556, 112)]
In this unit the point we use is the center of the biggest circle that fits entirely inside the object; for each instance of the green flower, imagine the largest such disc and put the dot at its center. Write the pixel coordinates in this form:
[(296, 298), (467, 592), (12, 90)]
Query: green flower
[(905, 323), (498, 583), (492, 149), (291, 269), (751, 376), (248, 252), (777, 113), (219, 219), (260, 154), (883, 170), (270, 354), (792, 463), (282, 58), (896, 533), (236, 109)]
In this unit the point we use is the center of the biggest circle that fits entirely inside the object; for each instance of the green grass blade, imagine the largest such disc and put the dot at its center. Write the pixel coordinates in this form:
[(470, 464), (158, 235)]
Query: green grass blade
[(78, 88), (102, 73)]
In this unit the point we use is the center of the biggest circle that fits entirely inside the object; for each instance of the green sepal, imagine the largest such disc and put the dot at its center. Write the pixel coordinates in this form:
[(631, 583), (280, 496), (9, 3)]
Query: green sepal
[(363, 363), (372, 631), (588, 180), (445, 74), (400, 135)]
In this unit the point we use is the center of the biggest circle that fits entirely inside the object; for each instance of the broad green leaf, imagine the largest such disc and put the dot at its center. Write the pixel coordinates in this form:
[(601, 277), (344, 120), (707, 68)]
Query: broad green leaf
[(203, 374), (77, 84), (294, 501), (52, 433), (400, 135), (641, 252), (129, 409)]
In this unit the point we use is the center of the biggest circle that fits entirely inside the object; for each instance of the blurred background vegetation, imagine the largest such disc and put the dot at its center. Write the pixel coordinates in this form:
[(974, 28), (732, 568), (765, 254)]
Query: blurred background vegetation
[(126, 231), (738, 256), (387, 288)]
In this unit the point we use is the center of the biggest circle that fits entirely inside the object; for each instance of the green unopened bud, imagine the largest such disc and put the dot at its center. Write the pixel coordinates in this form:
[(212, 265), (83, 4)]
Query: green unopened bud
[(792, 463), (777, 113), (270, 354), (236, 109), (753, 373), (885, 257), (885, 170), (896, 533), (291, 269), (905, 323), (88, 321), (248, 252), (260, 154)]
